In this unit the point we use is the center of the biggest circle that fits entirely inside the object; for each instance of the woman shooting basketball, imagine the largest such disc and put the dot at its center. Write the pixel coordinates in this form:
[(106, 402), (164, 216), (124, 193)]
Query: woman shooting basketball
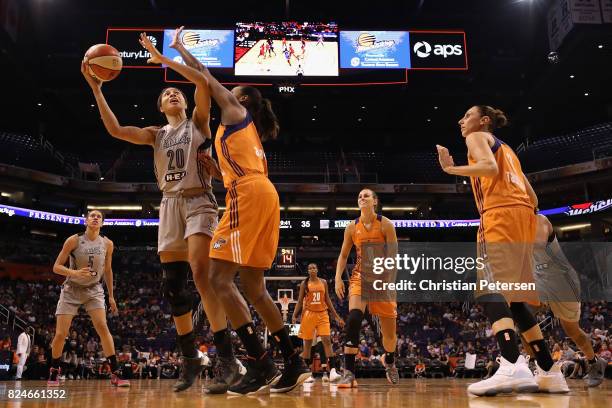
[(188, 210)]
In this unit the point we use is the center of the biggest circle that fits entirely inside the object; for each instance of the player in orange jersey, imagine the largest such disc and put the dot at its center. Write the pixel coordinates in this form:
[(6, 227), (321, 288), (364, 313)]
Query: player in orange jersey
[(374, 230), (246, 239), (314, 296), (506, 203)]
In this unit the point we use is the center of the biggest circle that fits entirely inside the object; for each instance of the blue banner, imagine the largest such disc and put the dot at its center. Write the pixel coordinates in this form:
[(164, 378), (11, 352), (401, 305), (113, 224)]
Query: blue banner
[(570, 210), (375, 49), (213, 48)]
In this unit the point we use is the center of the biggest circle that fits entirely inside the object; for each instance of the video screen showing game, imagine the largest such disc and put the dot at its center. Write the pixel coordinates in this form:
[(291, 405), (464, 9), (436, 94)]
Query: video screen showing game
[(286, 49)]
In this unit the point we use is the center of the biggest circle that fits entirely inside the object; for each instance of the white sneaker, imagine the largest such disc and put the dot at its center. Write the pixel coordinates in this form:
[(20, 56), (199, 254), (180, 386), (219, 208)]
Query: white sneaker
[(241, 368), (508, 377), (325, 378), (309, 380), (551, 381), (334, 377)]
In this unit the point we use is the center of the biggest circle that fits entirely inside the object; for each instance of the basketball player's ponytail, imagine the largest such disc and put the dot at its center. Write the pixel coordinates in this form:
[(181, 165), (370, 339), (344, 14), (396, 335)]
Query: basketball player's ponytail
[(261, 111), (498, 117), (268, 121)]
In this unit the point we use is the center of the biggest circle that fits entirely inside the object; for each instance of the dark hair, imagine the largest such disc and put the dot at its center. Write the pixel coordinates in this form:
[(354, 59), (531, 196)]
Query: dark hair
[(159, 98), (497, 116), (260, 109), (308, 277), (92, 210)]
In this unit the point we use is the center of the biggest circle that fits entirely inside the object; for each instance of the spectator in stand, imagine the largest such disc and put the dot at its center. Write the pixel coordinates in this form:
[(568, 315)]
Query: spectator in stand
[(444, 364), (105, 370), (419, 369), (580, 366), (364, 350), (556, 353)]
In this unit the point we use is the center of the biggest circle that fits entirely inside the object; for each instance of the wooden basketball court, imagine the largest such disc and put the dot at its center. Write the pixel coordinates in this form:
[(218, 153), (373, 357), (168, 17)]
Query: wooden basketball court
[(370, 394)]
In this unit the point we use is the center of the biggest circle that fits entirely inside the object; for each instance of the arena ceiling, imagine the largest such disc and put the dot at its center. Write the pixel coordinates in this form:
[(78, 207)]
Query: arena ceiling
[(507, 42)]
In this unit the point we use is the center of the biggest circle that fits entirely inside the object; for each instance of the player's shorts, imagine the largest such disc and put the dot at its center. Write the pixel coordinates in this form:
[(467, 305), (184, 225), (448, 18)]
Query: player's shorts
[(314, 322), (184, 214), (568, 311), (382, 309), (73, 296), (249, 229), (505, 240)]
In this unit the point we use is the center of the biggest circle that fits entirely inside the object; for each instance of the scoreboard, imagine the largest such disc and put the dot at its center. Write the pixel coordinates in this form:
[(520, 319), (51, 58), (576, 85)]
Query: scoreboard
[(285, 258), (299, 223)]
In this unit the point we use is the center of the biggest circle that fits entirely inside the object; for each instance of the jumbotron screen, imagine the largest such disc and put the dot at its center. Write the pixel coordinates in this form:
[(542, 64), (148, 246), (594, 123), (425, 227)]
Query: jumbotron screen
[(286, 49)]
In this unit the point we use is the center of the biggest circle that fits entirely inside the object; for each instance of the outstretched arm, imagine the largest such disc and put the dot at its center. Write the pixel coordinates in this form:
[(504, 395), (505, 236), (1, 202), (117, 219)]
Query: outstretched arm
[(232, 111), (202, 95), (132, 134)]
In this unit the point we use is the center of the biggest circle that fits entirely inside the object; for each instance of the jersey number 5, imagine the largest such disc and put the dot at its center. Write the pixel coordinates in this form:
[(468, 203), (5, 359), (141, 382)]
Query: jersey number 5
[(90, 262)]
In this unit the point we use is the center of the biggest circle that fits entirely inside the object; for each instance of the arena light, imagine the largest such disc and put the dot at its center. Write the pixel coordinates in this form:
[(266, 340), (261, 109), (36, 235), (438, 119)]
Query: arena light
[(347, 208), (7, 195), (574, 227), (221, 208), (391, 208), (115, 207), (299, 208)]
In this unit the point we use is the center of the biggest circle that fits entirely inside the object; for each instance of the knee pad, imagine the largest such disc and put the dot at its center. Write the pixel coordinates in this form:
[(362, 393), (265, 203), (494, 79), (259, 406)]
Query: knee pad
[(523, 317), (174, 284), (353, 325), (495, 307)]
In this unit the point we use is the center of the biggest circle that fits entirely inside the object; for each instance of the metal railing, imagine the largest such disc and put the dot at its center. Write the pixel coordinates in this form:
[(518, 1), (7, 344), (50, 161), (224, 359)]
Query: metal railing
[(15, 323)]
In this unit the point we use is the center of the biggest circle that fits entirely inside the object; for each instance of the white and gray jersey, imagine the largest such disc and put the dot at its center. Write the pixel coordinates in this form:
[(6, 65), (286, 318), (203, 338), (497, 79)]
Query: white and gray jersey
[(91, 254), (175, 158), (555, 277)]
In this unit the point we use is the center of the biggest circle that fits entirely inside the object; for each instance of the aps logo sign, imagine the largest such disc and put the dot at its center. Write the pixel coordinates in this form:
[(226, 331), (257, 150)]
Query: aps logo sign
[(423, 49)]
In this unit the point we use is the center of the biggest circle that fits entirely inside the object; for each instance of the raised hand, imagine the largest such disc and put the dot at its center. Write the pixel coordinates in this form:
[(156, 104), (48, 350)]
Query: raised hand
[(176, 40), (156, 56), (445, 159), (94, 83)]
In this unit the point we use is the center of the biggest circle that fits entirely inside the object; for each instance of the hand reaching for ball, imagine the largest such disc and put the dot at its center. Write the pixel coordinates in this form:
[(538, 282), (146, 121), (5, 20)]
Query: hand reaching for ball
[(94, 83), (156, 56), (176, 40)]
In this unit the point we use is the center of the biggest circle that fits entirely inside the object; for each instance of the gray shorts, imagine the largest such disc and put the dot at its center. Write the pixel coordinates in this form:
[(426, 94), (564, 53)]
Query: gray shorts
[(568, 311), (181, 217), (73, 296)]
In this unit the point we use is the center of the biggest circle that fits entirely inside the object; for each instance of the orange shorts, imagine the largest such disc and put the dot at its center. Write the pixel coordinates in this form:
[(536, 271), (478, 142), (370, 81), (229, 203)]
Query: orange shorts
[(505, 240), (382, 309), (314, 322), (248, 231)]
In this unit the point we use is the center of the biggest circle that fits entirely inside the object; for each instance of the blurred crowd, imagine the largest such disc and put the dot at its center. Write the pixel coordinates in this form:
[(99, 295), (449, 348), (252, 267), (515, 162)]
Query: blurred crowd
[(434, 339)]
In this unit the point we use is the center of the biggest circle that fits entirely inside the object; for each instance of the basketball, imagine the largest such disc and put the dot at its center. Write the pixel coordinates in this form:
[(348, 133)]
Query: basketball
[(103, 62)]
